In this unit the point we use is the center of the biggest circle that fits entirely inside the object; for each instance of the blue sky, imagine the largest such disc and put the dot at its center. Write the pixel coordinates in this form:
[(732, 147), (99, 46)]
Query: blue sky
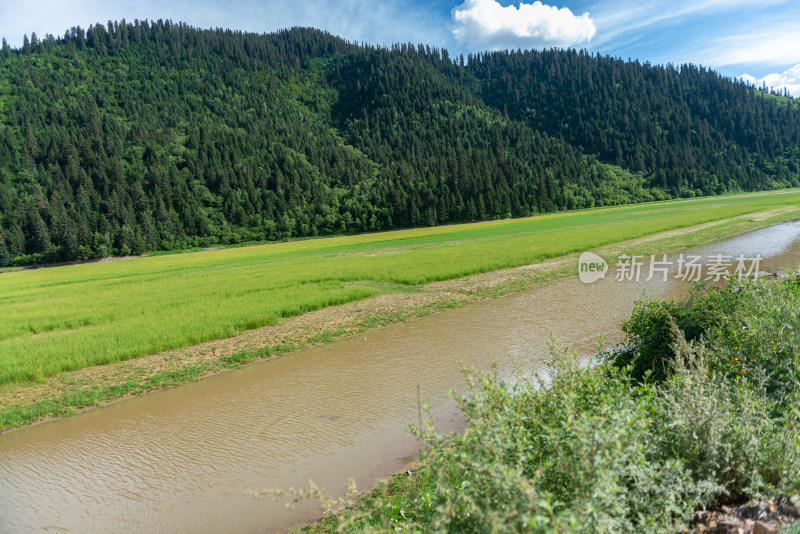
[(760, 38)]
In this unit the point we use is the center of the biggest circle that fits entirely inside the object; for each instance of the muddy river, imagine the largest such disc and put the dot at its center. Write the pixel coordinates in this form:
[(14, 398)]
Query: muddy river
[(181, 460)]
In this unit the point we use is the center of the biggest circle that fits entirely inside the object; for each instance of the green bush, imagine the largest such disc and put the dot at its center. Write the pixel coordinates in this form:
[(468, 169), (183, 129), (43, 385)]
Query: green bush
[(721, 427), (761, 339), (753, 328), (649, 335)]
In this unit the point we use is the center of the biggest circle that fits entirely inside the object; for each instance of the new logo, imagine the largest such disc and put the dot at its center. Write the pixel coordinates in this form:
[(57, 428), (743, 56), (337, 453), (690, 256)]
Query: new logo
[(591, 267)]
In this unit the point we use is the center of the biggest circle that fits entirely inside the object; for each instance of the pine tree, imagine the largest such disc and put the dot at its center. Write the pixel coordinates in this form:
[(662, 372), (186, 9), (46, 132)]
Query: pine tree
[(40, 234), (5, 255)]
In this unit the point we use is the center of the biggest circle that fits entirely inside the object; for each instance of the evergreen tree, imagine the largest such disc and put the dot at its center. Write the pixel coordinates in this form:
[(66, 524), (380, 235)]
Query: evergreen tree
[(5, 255)]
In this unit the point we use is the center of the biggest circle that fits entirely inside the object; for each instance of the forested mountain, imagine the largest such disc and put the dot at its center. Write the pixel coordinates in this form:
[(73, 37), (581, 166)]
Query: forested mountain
[(153, 135)]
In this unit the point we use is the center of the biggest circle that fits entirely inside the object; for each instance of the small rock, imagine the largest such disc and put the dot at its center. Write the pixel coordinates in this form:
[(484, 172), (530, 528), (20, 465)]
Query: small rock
[(763, 528), (728, 527), (700, 515)]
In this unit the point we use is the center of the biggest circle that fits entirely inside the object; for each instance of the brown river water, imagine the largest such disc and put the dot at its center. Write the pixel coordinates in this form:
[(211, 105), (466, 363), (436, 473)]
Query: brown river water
[(181, 460)]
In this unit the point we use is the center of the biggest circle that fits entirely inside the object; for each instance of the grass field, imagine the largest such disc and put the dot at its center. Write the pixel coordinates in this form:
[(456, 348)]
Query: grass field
[(66, 318)]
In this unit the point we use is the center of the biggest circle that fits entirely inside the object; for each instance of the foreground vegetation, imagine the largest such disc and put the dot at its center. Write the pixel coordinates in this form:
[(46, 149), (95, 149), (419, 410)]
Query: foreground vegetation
[(612, 449), (67, 318), (132, 137)]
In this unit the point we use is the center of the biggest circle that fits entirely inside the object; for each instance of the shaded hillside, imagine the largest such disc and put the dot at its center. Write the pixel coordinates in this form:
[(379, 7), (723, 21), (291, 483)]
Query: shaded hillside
[(688, 128)]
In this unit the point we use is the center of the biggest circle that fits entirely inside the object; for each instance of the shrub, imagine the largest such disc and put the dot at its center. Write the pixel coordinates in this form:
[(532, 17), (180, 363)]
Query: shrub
[(649, 335), (721, 428), (761, 339)]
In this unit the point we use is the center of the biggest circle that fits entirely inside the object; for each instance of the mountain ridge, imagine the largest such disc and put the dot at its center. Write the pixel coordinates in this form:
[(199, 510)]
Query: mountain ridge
[(144, 136)]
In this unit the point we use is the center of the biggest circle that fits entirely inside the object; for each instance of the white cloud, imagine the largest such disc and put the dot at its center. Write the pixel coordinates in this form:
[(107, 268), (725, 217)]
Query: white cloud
[(789, 80), (622, 21), (487, 24), (777, 46)]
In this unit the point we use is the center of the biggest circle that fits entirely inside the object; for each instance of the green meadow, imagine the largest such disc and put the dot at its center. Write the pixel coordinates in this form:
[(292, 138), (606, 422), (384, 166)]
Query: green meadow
[(66, 318)]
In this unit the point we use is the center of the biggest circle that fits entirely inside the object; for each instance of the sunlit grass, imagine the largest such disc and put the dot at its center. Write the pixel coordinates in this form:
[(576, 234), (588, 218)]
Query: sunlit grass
[(65, 318)]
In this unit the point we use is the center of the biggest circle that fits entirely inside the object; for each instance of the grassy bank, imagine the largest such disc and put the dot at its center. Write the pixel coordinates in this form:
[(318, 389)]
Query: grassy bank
[(672, 426), (179, 300), (71, 317)]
